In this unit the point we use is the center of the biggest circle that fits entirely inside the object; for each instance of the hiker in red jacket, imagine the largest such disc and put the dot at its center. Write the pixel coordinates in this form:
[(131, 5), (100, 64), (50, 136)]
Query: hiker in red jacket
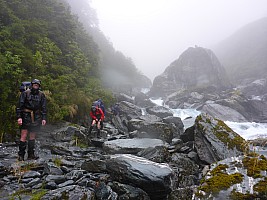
[(97, 116)]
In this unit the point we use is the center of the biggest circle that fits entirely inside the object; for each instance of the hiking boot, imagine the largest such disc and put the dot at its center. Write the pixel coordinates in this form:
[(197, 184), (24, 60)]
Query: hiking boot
[(22, 148), (31, 147), (90, 130), (101, 125), (21, 158), (32, 157)]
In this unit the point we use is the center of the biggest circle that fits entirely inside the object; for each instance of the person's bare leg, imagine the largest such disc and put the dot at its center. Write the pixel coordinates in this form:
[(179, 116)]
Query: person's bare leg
[(91, 127), (98, 129), (23, 135)]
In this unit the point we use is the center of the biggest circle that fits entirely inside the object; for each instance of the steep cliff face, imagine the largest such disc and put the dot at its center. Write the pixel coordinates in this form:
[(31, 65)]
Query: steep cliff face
[(196, 68)]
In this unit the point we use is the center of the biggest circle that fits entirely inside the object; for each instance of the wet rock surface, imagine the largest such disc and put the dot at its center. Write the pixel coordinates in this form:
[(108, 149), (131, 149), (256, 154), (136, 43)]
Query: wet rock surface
[(141, 156)]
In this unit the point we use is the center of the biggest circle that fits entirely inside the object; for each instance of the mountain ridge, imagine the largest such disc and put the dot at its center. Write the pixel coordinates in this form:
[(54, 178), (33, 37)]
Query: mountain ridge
[(243, 54)]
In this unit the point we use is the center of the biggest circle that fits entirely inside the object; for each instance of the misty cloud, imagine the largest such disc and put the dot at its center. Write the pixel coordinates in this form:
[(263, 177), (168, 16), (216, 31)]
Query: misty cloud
[(155, 32)]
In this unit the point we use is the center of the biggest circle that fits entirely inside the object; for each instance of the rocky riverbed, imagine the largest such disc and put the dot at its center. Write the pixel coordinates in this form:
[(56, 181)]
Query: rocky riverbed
[(144, 153)]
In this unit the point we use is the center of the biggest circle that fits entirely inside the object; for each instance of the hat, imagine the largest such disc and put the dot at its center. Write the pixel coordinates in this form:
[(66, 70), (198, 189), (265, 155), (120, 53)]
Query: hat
[(36, 81)]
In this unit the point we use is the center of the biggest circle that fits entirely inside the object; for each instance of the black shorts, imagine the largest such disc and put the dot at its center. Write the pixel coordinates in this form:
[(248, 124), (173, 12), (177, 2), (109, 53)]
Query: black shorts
[(28, 124), (31, 128)]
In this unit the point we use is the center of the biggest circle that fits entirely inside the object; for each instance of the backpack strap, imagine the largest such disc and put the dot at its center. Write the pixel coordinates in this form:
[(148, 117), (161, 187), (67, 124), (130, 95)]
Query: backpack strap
[(28, 92)]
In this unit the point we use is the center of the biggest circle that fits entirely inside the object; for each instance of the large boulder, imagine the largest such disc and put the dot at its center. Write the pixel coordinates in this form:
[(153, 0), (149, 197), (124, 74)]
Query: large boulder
[(196, 67), (154, 178), (127, 111), (131, 146), (159, 111), (223, 112), (141, 99), (253, 89), (158, 130), (214, 140)]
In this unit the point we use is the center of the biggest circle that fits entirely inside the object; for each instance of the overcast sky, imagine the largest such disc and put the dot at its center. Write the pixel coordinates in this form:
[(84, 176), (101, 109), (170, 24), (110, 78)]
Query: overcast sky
[(154, 33)]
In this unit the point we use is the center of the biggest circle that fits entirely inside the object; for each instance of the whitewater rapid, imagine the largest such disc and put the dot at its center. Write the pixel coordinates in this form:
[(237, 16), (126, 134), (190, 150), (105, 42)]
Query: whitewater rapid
[(248, 130)]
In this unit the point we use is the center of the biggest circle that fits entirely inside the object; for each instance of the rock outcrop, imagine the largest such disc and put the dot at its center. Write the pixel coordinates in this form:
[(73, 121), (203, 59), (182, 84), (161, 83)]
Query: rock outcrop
[(214, 140), (196, 68)]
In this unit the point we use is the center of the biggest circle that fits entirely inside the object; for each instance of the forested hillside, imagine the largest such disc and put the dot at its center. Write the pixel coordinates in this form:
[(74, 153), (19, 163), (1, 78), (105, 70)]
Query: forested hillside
[(117, 70), (42, 39)]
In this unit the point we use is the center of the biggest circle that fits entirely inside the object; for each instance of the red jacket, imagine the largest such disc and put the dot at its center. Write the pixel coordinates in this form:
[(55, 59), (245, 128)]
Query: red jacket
[(98, 114)]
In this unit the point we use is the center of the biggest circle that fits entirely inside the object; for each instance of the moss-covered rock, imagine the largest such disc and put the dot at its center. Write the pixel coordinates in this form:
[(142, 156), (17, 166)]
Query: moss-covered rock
[(216, 141), (236, 178), (219, 180), (255, 164), (261, 187)]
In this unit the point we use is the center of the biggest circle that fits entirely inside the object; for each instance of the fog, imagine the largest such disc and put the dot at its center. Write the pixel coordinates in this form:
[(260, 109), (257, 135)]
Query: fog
[(154, 33)]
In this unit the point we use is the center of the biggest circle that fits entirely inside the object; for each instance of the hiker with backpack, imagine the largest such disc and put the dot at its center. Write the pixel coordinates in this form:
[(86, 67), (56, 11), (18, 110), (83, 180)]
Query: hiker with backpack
[(115, 109), (31, 114), (97, 116)]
